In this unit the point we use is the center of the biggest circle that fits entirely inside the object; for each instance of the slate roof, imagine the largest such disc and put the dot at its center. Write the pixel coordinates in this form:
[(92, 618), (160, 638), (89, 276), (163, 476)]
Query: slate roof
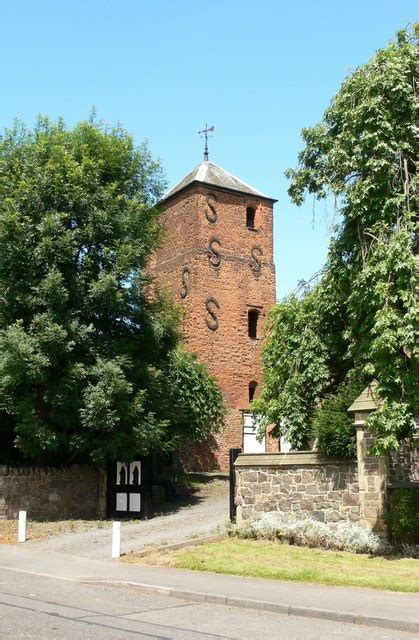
[(368, 400), (211, 174)]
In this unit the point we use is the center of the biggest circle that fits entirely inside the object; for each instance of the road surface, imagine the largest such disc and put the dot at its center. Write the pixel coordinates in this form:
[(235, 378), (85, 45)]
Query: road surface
[(41, 607)]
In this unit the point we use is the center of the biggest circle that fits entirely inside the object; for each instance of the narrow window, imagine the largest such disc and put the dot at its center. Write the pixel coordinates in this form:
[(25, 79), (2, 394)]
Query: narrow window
[(252, 390), (252, 323), (250, 217)]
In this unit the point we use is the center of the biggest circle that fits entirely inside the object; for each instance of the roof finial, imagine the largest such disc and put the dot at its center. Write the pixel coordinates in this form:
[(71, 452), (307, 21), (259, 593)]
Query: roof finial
[(205, 132)]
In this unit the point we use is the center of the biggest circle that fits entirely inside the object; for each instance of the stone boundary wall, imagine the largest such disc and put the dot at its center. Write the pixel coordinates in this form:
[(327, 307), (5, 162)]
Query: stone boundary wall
[(376, 475), (302, 482), (47, 493), (404, 464)]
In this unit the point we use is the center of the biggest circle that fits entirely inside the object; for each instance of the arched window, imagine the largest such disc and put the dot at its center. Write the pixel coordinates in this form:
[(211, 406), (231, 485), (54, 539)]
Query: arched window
[(250, 217), (252, 323), (252, 390)]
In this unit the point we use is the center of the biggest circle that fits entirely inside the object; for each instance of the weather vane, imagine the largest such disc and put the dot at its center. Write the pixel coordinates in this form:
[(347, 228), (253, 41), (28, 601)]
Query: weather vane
[(205, 132)]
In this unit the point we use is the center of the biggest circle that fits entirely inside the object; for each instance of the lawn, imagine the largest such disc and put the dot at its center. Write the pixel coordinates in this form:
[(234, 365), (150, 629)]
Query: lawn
[(265, 559)]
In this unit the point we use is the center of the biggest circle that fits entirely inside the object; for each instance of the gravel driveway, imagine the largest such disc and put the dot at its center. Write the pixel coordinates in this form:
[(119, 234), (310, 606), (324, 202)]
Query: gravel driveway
[(201, 515)]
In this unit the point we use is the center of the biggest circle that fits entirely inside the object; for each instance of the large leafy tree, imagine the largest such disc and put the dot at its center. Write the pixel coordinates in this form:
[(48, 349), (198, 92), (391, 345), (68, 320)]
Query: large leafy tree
[(360, 320), (83, 344)]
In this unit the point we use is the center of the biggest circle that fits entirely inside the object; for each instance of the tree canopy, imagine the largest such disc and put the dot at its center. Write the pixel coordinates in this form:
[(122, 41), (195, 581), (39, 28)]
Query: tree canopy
[(359, 321), (86, 354)]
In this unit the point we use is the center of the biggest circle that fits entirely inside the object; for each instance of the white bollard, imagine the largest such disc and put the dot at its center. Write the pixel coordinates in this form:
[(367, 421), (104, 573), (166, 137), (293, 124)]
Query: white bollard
[(116, 540), (21, 536)]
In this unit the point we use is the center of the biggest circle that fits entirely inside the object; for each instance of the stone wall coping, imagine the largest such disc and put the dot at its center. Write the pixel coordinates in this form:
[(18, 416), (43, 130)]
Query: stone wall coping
[(291, 459), (6, 470), (404, 484)]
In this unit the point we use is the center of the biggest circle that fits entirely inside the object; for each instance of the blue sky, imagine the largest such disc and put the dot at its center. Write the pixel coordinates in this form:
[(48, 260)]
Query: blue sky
[(258, 71)]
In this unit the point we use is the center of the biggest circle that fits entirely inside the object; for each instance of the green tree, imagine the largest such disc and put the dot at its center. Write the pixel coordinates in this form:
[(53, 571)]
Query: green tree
[(186, 385), (82, 341), (333, 426), (295, 369), (363, 154)]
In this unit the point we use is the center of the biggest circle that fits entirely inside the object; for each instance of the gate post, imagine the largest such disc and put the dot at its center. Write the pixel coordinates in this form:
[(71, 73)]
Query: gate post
[(110, 472), (372, 470), (233, 455), (147, 481)]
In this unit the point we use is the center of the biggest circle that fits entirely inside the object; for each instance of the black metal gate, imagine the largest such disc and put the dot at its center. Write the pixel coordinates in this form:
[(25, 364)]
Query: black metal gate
[(129, 488)]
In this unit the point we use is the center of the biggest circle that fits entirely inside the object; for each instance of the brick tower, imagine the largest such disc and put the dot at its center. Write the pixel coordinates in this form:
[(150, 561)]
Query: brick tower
[(217, 258)]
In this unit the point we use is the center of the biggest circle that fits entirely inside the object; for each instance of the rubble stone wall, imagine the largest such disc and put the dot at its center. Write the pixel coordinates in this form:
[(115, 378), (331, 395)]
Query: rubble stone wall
[(48, 493), (404, 465), (302, 482)]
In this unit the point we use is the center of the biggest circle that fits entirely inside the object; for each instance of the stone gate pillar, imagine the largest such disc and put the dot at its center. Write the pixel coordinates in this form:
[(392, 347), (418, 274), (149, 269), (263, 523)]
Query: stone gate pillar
[(372, 470)]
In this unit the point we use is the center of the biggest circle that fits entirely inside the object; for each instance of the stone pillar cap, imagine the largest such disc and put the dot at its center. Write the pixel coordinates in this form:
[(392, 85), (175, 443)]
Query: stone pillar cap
[(368, 400)]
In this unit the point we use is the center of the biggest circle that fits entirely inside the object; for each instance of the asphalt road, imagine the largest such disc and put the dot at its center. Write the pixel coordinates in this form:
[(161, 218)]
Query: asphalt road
[(33, 606)]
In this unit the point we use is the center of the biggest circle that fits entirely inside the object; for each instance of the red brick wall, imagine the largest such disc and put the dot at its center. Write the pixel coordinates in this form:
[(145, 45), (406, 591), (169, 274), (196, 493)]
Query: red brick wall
[(229, 353)]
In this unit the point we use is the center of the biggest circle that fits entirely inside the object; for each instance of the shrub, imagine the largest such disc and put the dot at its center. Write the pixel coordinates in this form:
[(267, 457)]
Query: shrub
[(307, 532), (333, 427), (403, 516)]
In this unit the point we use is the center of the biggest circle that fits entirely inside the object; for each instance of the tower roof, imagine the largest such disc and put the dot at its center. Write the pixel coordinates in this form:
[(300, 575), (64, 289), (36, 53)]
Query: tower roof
[(212, 175)]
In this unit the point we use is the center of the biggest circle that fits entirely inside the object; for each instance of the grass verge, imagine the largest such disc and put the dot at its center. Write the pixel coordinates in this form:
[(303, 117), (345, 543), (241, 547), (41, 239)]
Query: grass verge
[(42, 530), (266, 559)]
